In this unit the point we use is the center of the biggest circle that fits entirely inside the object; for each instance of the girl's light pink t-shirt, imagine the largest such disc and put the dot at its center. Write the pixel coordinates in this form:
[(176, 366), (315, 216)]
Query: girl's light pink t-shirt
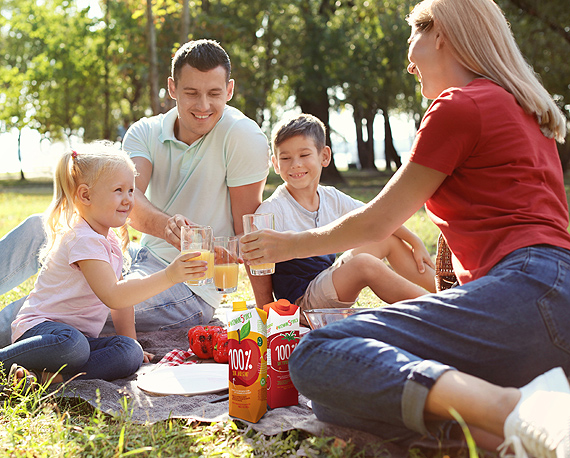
[(61, 292)]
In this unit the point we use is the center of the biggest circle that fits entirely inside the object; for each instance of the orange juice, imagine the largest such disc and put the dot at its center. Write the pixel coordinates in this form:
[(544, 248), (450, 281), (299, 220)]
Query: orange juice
[(210, 271), (247, 336), (226, 276), (262, 269), (205, 255)]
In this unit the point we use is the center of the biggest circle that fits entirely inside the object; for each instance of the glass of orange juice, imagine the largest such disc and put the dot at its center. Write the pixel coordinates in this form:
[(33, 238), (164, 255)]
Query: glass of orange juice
[(226, 267), (199, 238), (256, 222)]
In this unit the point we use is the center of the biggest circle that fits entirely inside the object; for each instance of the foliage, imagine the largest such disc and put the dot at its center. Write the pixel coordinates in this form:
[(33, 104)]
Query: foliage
[(541, 28), (66, 72)]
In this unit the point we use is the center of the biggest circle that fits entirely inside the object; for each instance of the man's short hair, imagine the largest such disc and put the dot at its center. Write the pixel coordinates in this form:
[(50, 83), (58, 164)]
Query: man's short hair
[(203, 55), (305, 124)]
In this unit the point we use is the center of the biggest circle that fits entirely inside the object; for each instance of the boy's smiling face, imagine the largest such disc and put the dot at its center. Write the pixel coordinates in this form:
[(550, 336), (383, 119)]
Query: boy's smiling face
[(299, 163)]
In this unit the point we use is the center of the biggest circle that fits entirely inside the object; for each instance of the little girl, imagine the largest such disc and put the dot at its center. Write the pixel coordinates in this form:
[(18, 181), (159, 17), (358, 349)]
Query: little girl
[(57, 328)]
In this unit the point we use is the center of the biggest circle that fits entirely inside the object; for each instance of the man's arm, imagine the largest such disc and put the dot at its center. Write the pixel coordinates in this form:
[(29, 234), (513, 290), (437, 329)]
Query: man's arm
[(147, 218), (244, 200)]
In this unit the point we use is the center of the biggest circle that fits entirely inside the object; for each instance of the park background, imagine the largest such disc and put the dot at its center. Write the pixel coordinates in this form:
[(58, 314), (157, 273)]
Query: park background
[(79, 70), (76, 70)]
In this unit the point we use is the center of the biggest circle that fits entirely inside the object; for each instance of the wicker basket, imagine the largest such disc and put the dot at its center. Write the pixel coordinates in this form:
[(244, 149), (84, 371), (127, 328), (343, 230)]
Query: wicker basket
[(444, 275)]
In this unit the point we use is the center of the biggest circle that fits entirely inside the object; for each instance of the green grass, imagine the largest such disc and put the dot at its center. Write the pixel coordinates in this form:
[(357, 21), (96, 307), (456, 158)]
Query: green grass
[(41, 425)]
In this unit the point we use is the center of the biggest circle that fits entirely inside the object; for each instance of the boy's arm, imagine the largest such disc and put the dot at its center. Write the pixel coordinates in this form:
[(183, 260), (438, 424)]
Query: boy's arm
[(419, 250), (262, 288)]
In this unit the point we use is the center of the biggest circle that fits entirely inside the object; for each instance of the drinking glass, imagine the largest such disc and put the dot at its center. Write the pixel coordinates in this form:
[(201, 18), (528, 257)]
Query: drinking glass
[(199, 238), (226, 267), (255, 222)]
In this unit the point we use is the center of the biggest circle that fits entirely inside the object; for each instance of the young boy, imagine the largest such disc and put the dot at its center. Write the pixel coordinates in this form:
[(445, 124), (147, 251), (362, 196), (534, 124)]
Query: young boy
[(300, 203)]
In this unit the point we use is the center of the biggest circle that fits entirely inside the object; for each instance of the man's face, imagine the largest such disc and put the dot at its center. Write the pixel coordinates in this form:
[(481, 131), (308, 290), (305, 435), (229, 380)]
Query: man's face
[(201, 98)]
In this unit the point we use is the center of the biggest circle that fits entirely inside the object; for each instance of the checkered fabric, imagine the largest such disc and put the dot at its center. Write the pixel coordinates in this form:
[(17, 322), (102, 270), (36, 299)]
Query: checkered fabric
[(177, 357)]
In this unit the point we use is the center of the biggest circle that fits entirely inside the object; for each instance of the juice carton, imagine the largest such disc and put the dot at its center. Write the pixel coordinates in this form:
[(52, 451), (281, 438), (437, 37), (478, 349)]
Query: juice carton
[(282, 338), (247, 336)]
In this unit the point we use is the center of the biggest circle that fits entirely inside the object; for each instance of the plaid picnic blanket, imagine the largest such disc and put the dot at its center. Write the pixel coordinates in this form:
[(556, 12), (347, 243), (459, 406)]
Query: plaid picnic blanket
[(176, 358)]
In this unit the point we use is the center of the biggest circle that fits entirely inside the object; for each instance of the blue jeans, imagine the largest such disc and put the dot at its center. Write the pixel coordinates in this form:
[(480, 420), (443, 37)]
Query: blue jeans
[(373, 371), (176, 307), (51, 345)]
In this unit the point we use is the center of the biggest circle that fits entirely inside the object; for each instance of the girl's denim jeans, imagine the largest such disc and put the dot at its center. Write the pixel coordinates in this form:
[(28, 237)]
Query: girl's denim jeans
[(176, 307), (51, 345), (373, 371)]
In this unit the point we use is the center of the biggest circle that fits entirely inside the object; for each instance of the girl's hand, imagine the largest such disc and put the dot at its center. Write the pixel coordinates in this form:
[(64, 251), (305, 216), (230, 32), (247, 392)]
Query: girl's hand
[(147, 357), (183, 268), (267, 246)]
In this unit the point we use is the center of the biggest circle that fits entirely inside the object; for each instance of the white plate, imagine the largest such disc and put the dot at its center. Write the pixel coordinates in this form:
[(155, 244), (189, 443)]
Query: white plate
[(187, 380)]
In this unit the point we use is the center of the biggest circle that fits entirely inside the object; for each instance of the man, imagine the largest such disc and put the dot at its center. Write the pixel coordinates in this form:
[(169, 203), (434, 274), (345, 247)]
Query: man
[(203, 162)]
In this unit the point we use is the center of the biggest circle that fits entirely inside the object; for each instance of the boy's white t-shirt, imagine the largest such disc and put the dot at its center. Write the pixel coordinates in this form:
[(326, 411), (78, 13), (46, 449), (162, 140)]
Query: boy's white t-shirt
[(290, 215), (291, 278), (61, 292)]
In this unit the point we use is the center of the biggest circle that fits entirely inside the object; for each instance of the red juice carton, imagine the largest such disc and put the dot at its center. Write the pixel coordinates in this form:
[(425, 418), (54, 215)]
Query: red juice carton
[(247, 336), (282, 338)]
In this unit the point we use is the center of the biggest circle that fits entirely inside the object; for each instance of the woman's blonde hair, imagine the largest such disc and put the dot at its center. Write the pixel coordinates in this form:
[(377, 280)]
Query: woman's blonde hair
[(482, 42), (84, 166)]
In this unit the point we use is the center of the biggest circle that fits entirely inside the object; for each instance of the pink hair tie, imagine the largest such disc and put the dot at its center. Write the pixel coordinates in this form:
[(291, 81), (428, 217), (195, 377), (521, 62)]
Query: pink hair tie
[(74, 154)]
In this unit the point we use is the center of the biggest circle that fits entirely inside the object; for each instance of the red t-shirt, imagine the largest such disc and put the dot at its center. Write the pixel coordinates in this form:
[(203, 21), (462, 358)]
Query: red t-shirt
[(504, 188)]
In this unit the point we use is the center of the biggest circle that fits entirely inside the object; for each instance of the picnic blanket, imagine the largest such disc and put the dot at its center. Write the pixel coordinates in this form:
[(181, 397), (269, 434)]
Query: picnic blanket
[(144, 408)]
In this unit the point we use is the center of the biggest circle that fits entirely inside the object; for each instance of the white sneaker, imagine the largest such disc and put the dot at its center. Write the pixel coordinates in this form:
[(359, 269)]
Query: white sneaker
[(539, 425)]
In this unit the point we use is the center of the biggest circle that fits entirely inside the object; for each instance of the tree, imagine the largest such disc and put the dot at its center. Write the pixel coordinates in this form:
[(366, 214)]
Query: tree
[(55, 66), (541, 29), (372, 74)]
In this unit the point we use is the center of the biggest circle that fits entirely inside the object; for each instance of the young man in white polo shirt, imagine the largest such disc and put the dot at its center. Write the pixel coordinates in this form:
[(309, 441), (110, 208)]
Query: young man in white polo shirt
[(203, 162)]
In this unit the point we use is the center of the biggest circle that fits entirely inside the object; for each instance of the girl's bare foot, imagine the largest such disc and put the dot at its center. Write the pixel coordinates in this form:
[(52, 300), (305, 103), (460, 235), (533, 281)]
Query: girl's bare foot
[(19, 373)]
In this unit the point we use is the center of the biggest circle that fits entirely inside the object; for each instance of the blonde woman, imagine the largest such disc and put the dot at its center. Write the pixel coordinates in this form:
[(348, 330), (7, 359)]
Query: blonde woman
[(485, 163), (57, 329)]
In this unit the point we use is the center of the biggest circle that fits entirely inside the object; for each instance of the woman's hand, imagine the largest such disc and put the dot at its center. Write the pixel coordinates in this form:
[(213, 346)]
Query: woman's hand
[(267, 246)]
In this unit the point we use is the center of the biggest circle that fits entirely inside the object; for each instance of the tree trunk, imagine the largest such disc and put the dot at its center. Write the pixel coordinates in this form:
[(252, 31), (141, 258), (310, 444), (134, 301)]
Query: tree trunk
[(564, 153), (369, 115), (22, 177), (318, 105), (365, 147), (389, 148), (153, 61), (106, 89), (185, 24)]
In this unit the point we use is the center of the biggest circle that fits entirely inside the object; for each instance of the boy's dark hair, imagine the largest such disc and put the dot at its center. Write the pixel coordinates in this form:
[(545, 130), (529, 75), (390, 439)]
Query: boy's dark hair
[(203, 55), (304, 124)]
